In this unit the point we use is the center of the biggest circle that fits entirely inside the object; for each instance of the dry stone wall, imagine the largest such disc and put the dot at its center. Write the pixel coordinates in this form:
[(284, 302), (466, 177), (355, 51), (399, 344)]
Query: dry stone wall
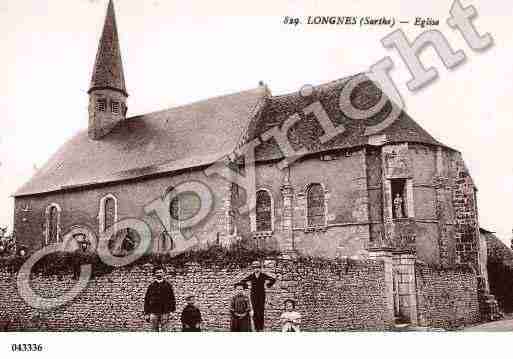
[(331, 295), (446, 297)]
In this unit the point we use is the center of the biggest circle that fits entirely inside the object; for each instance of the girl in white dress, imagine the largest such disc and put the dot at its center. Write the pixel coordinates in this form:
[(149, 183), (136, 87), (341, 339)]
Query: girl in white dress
[(290, 319)]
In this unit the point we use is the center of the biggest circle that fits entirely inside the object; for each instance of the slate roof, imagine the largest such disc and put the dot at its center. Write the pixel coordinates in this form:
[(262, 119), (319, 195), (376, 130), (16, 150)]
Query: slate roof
[(204, 132), (169, 140), (108, 67), (306, 133)]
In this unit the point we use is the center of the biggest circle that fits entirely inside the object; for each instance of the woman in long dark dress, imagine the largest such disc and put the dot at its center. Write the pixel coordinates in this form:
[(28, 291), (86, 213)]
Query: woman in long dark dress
[(240, 310)]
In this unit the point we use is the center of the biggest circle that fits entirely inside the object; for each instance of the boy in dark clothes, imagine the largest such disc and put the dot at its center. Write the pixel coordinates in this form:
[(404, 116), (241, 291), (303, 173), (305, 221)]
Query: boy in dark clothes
[(191, 316), (240, 310), (159, 301), (258, 282)]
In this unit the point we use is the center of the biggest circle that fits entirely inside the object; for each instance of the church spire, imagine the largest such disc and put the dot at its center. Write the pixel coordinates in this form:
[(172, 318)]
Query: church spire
[(107, 94), (108, 67)]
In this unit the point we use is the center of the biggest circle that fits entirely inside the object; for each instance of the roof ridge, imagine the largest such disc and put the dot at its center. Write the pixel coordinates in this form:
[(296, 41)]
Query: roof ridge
[(319, 86), (191, 103), (208, 130)]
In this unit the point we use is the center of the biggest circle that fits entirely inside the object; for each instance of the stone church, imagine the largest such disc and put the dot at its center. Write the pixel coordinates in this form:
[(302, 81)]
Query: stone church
[(399, 189)]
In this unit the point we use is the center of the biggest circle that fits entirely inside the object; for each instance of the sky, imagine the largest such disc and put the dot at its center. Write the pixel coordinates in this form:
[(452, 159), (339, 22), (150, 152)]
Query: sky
[(178, 52)]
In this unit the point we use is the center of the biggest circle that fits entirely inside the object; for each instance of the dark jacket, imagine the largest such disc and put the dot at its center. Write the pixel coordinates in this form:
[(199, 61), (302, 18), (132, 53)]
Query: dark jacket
[(191, 317), (160, 298), (258, 288)]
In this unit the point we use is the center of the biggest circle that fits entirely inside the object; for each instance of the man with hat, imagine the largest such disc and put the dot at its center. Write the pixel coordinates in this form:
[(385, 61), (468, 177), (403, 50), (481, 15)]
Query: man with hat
[(159, 300), (240, 310), (259, 281), (191, 316)]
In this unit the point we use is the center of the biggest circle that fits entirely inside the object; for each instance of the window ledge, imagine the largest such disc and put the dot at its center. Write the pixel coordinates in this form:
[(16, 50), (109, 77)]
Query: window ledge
[(262, 234), (405, 219), (316, 229)]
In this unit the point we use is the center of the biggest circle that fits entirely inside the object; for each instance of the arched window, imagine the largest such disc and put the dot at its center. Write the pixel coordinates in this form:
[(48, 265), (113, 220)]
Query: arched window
[(108, 214), (234, 197), (264, 211), (316, 207), (53, 226), (184, 206), (53, 223)]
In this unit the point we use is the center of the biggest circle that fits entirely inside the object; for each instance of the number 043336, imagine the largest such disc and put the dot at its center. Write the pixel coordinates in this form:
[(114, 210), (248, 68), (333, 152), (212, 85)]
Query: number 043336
[(27, 347)]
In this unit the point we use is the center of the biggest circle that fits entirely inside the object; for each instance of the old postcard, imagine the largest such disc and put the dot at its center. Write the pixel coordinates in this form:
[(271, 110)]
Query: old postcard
[(272, 167)]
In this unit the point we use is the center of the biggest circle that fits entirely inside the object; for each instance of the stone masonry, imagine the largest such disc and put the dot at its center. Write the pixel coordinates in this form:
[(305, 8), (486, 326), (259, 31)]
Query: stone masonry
[(446, 298), (331, 296)]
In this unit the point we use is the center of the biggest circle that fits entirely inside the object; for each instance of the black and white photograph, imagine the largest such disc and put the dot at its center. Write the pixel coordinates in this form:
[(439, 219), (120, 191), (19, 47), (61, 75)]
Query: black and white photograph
[(332, 169)]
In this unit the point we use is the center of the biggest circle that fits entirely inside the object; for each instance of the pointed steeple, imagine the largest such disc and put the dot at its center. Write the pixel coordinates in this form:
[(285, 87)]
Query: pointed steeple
[(108, 67), (107, 95)]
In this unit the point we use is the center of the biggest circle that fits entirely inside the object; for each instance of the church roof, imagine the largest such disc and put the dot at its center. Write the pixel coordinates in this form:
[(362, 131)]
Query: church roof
[(183, 137), (108, 67), (204, 132), (306, 133)]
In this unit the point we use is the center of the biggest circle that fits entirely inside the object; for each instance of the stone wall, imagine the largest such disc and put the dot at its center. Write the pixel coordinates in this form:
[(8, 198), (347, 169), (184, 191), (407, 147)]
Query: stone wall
[(343, 177), (465, 209), (441, 228), (344, 180), (446, 298), (340, 295), (82, 207)]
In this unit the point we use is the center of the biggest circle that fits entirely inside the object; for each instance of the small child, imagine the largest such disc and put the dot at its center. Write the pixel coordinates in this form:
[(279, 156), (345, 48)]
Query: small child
[(290, 319), (191, 316)]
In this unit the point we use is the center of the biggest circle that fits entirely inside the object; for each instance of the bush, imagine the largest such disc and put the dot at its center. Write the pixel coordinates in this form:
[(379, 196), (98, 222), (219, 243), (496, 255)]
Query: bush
[(65, 263), (213, 256), (59, 263)]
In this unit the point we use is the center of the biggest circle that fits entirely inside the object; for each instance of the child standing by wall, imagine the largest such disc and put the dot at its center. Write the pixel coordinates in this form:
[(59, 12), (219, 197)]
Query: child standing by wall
[(290, 319), (191, 316)]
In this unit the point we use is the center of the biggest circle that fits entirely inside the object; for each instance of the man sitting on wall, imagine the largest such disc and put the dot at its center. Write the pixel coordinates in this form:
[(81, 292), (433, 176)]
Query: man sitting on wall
[(159, 301)]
